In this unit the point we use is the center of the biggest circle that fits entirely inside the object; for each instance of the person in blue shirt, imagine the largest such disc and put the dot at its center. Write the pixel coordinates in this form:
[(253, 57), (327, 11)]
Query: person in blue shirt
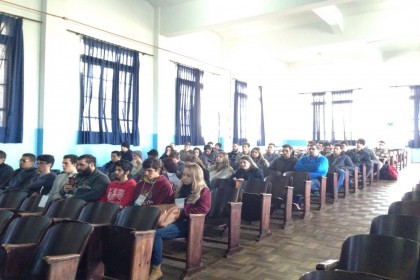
[(315, 164)]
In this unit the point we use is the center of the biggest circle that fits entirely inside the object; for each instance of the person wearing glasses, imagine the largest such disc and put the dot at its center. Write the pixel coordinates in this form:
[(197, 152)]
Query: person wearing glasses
[(42, 183), (314, 163), (22, 177)]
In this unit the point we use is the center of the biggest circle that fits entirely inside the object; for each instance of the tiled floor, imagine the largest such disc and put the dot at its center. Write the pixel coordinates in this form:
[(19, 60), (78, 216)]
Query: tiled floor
[(290, 253)]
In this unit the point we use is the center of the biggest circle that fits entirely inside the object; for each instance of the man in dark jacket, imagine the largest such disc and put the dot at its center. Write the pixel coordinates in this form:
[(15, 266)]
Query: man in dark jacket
[(90, 183), (339, 162), (6, 170), (286, 162), (22, 177)]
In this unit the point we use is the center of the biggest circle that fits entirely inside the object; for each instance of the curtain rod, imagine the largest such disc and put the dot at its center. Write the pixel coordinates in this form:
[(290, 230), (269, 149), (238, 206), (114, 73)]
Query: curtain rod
[(328, 90), (404, 86), (26, 18), (176, 62), (78, 33)]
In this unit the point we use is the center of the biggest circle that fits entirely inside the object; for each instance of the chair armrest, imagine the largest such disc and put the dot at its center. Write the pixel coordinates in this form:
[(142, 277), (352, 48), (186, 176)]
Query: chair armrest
[(12, 247), (27, 214), (60, 258), (16, 259), (327, 265)]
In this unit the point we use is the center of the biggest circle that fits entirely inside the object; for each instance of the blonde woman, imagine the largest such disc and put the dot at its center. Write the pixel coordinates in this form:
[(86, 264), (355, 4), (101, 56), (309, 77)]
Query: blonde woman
[(197, 201), (221, 169)]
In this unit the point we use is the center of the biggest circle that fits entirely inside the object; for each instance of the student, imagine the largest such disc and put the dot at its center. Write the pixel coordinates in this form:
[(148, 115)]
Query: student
[(6, 170), (339, 162), (285, 163), (221, 168), (22, 177), (271, 154), (43, 183), (108, 168), (121, 191), (69, 171), (126, 153), (248, 170), (197, 201)]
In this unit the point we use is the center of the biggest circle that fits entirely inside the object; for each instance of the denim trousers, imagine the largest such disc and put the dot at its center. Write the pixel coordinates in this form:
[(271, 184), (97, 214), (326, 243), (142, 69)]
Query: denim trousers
[(174, 230), (341, 177)]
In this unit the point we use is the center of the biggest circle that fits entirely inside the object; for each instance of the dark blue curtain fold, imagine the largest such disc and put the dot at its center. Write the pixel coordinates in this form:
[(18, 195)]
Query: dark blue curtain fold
[(109, 87), (12, 60), (239, 112), (261, 140), (188, 106), (416, 98), (318, 104)]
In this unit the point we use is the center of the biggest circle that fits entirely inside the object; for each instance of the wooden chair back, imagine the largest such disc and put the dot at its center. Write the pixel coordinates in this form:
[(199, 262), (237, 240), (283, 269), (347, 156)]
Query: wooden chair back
[(12, 200), (381, 255), (411, 196), (405, 208), (31, 205), (68, 208), (99, 212), (397, 225), (336, 275), (5, 217), (23, 230), (220, 197), (138, 217)]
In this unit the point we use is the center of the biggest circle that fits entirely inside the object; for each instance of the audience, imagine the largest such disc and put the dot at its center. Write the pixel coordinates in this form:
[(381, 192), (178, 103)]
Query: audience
[(382, 153), (6, 170), (197, 201), (245, 152), (366, 155), (153, 153), (339, 162), (168, 151), (259, 159), (90, 183), (42, 183), (121, 191), (108, 168), (137, 171), (126, 153), (271, 154), (209, 155), (194, 159), (285, 163), (22, 177), (170, 170), (315, 164), (153, 188), (186, 151), (248, 171), (69, 171), (233, 154), (221, 168)]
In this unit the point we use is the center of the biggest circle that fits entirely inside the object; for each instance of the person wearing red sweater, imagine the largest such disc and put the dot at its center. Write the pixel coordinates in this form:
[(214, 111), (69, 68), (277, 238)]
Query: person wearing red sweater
[(197, 201), (122, 190)]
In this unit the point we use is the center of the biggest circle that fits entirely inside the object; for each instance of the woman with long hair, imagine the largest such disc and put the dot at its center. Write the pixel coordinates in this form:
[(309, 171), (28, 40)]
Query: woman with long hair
[(221, 169), (248, 170), (194, 159), (259, 159), (197, 201)]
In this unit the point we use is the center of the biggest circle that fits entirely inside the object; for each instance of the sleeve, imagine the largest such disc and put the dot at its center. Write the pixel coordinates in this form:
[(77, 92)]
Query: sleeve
[(323, 166), (165, 194), (258, 175), (348, 164), (299, 165), (201, 206), (97, 189)]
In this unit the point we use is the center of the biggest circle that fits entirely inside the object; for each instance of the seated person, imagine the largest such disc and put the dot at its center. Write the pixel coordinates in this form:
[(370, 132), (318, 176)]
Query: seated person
[(339, 162), (209, 155), (194, 159), (137, 163), (153, 188), (327, 149), (69, 171), (108, 168), (382, 153), (186, 151), (90, 183), (366, 156), (121, 191), (232, 156), (259, 159), (221, 168), (43, 183), (197, 201), (168, 151), (271, 155), (6, 170), (22, 177), (153, 153), (170, 170), (248, 171), (180, 163), (285, 163), (315, 164), (126, 153)]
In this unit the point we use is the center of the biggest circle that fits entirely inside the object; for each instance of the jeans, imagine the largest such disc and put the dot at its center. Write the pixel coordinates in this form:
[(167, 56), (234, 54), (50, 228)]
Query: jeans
[(341, 177), (315, 184), (174, 230)]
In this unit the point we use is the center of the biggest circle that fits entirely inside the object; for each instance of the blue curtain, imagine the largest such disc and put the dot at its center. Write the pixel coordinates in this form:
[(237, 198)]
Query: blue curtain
[(318, 104), (239, 112), (416, 98), (341, 115), (188, 106), (261, 141), (11, 72), (109, 87)]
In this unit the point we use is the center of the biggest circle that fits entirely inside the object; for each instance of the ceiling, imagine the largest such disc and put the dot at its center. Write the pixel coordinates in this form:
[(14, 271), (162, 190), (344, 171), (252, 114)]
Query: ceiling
[(293, 31)]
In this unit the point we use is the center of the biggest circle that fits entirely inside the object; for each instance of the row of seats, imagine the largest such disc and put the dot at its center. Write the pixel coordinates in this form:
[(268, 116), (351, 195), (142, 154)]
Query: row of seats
[(389, 251)]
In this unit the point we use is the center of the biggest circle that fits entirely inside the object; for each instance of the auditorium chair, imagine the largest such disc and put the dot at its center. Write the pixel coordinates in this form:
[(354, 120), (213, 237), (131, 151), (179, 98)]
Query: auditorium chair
[(332, 183), (282, 198), (12, 200), (405, 208), (225, 214), (411, 196), (55, 257), (383, 256), (62, 209), (397, 225), (5, 217), (31, 206), (337, 275), (256, 204), (128, 243)]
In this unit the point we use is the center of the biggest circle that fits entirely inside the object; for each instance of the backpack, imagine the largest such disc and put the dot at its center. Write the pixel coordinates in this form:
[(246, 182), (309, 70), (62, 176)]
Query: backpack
[(388, 172)]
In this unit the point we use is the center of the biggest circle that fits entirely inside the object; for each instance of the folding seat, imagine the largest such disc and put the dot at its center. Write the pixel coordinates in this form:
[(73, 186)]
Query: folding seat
[(411, 196), (397, 225), (68, 208), (282, 198), (405, 208), (12, 200), (337, 275)]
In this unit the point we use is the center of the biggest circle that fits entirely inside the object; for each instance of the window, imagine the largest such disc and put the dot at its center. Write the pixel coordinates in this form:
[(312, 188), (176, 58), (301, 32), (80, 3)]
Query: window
[(11, 80), (341, 115), (240, 113), (188, 106), (109, 94)]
